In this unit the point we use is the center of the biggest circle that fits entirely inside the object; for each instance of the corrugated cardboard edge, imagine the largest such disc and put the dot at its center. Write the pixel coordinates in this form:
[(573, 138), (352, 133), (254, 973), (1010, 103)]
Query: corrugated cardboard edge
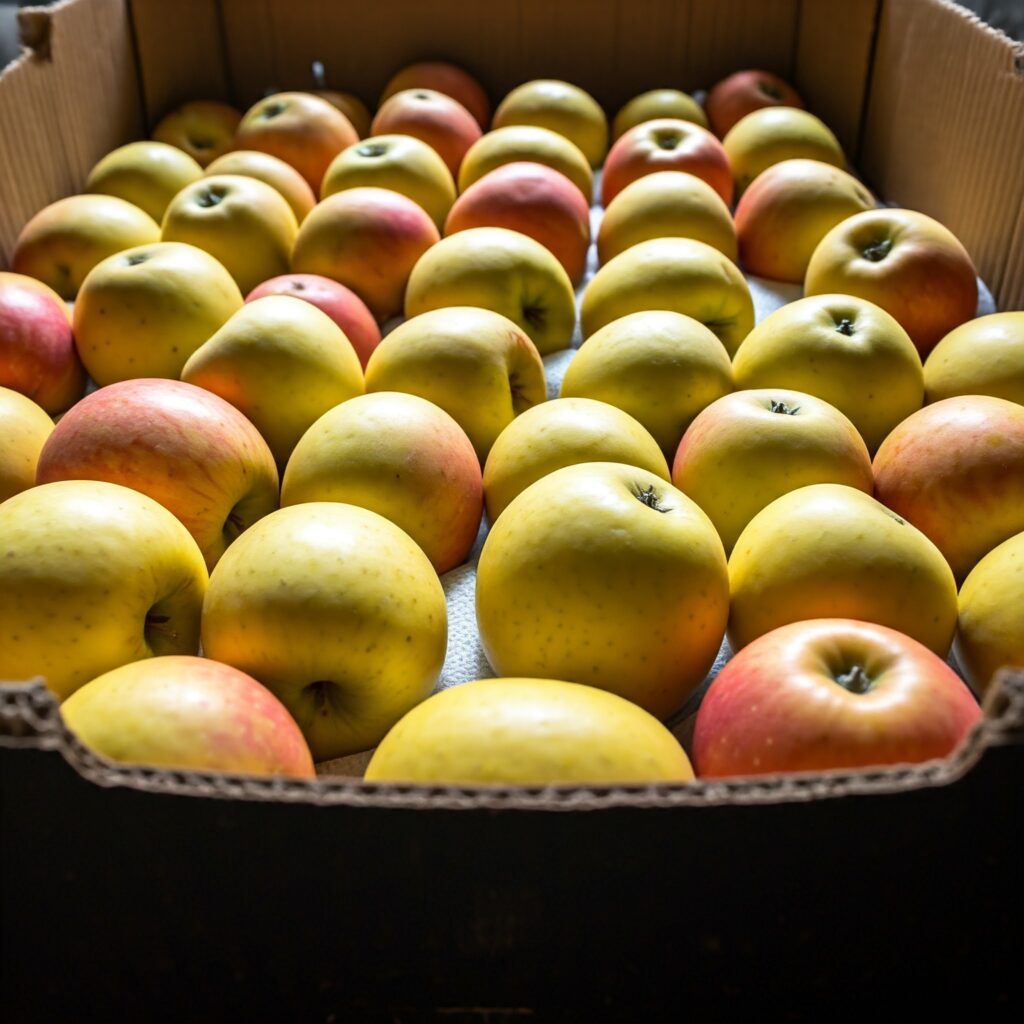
[(30, 718)]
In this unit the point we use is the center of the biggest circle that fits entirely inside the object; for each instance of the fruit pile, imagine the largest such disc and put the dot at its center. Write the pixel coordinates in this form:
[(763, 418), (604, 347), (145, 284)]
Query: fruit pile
[(308, 349)]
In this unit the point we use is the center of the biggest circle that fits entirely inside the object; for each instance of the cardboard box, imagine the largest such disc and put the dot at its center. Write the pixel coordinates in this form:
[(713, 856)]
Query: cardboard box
[(158, 895)]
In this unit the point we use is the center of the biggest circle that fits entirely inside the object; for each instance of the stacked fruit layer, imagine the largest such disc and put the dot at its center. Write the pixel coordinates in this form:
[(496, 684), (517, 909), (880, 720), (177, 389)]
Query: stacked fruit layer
[(328, 347)]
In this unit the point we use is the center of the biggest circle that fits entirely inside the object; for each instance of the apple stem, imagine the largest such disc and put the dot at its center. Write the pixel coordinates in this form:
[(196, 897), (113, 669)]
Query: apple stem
[(646, 496), (877, 251), (845, 326), (856, 680), (782, 408)]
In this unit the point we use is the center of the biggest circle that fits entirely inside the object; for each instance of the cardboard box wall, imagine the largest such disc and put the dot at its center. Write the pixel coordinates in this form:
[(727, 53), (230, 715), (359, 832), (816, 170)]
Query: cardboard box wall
[(161, 895)]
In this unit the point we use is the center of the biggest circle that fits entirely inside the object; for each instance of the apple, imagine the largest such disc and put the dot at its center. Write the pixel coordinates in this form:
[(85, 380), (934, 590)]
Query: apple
[(772, 134), (990, 629), (743, 92), (660, 367), (666, 144), (351, 106), (338, 613), (751, 447), (831, 551), (560, 107), (24, 428), (188, 713), (477, 365), (528, 732), (523, 142), (66, 239), (341, 304), (147, 174), (980, 357), (401, 457), (666, 204), (299, 128), (272, 171), (398, 162), (681, 275), (244, 223), (564, 432), (903, 261), (955, 469), (606, 575), (432, 117), (503, 271), (443, 77), (829, 694), (534, 200), (282, 363), (657, 104), (368, 239), (205, 129), (143, 312), (845, 351), (37, 349), (788, 210), (186, 448), (95, 575)]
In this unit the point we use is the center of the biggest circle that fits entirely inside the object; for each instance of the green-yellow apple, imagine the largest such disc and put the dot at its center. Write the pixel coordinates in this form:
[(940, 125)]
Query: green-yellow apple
[(24, 428), (299, 128), (66, 239), (845, 351), (368, 239), (272, 171), (751, 447), (528, 732), (666, 204), (443, 77), (37, 349), (831, 551), (205, 129), (984, 356), (742, 93), (660, 367), (772, 134), (183, 446), (526, 142), (351, 106), (788, 210), (399, 456), (681, 275), (147, 174), (990, 630), (95, 575), (654, 105), (503, 271), (475, 364), (666, 144), (830, 694), (534, 200), (143, 312), (338, 613), (398, 162), (244, 223), (189, 713), (282, 363), (604, 574), (560, 107), (565, 432), (955, 469), (441, 122)]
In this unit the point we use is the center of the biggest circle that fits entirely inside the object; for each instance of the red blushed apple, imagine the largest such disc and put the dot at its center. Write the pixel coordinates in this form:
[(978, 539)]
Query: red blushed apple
[(447, 78), (666, 144), (955, 469), (341, 304), (182, 446), (533, 200), (830, 694), (37, 350), (744, 92), (438, 120)]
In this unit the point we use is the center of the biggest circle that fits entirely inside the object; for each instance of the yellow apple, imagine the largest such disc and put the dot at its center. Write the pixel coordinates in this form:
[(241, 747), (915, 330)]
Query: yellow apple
[(656, 104), (528, 732), (984, 356), (205, 129), (251, 163), (830, 551), (282, 363), (24, 428)]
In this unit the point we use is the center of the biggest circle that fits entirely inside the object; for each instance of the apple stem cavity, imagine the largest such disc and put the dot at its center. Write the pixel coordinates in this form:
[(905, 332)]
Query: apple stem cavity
[(845, 326), (210, 197), (372, 149), (856, 680), (646, 496), (666, 140), (770, 89), (321, 691), (274, 109), (877, 251), (136, 258), (782, 408), (160, 624)]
